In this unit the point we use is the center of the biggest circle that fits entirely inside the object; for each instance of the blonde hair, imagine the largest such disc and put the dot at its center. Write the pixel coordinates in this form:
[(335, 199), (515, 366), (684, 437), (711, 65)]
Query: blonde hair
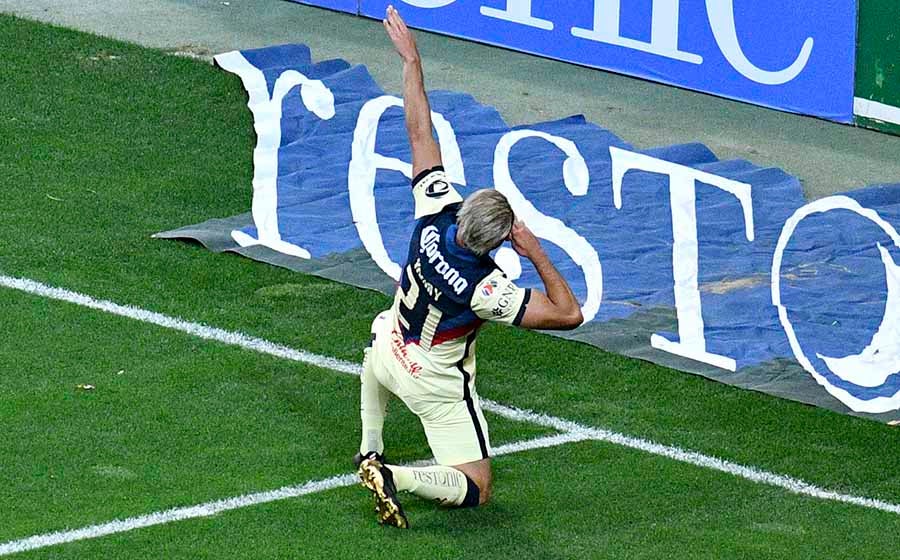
[(484, 220)]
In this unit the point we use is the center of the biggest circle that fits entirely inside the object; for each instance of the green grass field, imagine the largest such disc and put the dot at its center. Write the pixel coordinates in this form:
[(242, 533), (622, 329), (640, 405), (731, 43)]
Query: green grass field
[(106, 143)]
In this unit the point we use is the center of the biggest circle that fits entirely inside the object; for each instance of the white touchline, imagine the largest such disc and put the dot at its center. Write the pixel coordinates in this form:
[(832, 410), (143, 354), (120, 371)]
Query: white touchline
[(212, 508), (874, 110), (571, 431)]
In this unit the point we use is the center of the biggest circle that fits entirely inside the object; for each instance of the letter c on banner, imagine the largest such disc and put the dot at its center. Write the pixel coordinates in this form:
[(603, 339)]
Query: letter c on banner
[(365, 163), (881, 358), (724, 28), (576, 178)]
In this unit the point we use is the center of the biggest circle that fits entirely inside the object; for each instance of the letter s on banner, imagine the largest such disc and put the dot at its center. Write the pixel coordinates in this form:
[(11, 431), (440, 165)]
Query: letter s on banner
[(685, 259), (576, 178), (365, 162), (721, 19), (317, 99), (881, 358)]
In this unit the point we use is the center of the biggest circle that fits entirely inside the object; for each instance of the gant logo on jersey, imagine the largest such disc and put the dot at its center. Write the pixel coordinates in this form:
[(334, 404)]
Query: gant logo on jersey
[(428, 244), (504, 301)]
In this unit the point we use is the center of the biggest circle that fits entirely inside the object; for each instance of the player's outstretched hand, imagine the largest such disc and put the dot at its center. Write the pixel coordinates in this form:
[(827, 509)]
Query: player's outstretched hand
[(400, 35), (524, 241)]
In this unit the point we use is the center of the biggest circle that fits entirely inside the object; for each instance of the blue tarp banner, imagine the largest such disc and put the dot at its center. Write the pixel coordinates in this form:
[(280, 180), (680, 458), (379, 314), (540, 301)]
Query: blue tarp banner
[(716, 267)]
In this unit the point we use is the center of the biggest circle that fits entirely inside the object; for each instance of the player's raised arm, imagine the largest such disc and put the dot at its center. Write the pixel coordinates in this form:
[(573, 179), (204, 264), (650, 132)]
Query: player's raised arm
[(425, 150), (557, 309)]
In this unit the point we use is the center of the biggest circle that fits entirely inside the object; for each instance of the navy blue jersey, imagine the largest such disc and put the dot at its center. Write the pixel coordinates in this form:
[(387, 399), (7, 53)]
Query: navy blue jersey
[(446, 291)]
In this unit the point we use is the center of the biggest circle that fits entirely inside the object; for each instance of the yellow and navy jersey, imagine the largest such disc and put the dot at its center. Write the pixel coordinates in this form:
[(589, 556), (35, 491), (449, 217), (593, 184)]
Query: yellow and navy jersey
[(446, 293)]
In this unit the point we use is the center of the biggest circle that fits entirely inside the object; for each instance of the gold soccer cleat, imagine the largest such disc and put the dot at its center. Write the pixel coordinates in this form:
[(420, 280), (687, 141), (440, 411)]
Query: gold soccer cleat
[(380, 481)]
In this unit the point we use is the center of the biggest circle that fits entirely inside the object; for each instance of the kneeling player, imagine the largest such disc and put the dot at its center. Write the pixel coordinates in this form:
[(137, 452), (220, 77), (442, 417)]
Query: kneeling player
[(423, 348)]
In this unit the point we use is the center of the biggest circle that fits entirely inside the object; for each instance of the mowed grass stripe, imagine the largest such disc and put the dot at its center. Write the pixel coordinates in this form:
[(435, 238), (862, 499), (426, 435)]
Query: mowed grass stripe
[(219, 506), (173, 420), (580, 431), (634, 505)]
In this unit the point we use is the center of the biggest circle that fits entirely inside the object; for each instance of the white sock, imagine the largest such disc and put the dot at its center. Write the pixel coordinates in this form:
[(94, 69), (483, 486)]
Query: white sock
[(373, 399), (447, 485)]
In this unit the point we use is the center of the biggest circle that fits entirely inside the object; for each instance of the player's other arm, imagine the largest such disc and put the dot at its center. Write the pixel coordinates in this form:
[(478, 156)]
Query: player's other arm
[(557, 309), (425, 150)]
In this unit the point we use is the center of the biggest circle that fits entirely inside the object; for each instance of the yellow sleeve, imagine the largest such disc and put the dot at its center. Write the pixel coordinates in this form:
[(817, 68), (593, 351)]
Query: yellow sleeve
[(433, 192), (497, 298)]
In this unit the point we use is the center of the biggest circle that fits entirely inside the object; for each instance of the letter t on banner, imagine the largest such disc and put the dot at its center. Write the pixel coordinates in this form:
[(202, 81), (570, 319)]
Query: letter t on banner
[(685, 249)]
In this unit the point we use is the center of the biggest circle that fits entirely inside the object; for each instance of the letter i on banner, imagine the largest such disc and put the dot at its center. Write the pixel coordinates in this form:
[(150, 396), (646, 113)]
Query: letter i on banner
[(685, 249), (663, 30)]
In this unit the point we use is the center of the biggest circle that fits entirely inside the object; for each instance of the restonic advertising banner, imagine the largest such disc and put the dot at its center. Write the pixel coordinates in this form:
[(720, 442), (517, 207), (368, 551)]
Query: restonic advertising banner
[(716, 267), (796, 56)]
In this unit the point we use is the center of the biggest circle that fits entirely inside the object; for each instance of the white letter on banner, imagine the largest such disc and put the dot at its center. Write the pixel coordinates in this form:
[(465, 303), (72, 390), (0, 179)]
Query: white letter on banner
[(721, 19), (881, 358), (429, 3), (576, 178), (317, 98), (518, 11), (682, 195), (663, 30), (365, 162)]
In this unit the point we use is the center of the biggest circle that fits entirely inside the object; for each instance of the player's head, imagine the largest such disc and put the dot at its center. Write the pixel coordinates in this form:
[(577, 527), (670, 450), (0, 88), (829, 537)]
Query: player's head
[(484, 221)]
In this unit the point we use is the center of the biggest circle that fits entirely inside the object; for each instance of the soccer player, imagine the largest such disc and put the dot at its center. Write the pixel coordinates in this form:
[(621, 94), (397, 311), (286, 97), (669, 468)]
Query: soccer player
[(423, 348)]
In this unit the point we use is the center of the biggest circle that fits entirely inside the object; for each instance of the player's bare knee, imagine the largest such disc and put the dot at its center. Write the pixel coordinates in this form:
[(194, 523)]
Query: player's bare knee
[(484, 494), (485, 486)]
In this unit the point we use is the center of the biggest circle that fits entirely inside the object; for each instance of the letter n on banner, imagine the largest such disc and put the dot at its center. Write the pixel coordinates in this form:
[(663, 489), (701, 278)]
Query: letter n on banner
[(685, 249)]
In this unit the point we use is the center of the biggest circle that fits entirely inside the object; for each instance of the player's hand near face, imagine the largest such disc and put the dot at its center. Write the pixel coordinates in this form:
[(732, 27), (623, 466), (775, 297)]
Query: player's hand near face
[(400, 35), (524, 241), (557, 309)]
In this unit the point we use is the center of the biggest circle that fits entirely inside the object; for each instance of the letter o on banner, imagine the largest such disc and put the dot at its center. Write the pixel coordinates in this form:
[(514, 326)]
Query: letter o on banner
[(883, 353)]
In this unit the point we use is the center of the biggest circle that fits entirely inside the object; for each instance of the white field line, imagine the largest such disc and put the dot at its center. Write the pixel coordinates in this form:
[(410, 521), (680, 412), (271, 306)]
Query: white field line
[(572, 431), (213, 508)]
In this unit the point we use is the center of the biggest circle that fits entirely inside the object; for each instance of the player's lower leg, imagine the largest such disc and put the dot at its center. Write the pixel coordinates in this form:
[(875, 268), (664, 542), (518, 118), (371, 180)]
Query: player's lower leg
[(446, 485), (372, 409)]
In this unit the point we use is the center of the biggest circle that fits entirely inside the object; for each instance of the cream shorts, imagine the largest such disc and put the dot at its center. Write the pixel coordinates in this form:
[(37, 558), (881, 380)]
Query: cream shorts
[(456, 430)]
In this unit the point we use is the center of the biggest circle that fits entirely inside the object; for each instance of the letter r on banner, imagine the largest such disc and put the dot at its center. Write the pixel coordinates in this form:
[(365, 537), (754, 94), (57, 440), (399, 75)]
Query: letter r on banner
[(267, 111), (685, 249)]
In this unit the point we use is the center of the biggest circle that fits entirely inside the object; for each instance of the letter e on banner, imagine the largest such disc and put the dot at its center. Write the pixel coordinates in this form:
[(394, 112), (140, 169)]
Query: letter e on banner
[(365, 163)]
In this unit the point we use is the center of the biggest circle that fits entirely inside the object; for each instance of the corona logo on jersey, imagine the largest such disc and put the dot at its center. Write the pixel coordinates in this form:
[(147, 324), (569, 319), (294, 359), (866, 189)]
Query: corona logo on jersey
[(429, 247), (730, 254)]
